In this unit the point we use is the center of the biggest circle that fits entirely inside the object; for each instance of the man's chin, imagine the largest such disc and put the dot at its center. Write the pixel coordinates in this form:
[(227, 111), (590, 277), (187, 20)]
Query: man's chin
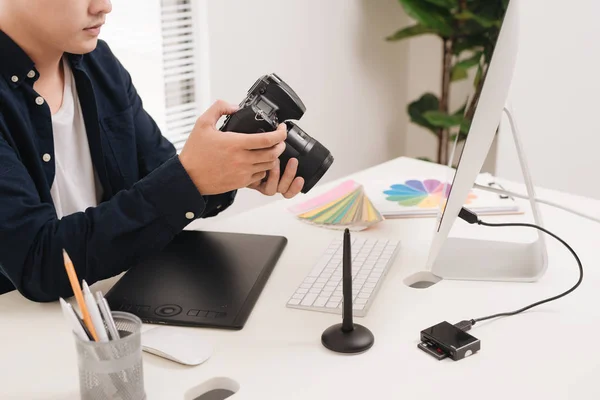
[(84, 47)]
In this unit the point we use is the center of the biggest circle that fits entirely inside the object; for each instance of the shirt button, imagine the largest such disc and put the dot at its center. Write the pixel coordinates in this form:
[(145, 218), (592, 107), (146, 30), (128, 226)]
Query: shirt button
[(14, 78), (46, 157), (39, 101), (31, 74), (189, 215)]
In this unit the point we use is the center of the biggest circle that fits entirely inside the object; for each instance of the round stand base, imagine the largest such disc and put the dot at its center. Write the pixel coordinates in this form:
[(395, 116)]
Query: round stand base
[(358, 340)]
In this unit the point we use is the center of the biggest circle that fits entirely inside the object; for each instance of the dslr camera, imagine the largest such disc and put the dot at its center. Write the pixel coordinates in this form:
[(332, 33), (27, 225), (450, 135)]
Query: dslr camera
[(269, 102)]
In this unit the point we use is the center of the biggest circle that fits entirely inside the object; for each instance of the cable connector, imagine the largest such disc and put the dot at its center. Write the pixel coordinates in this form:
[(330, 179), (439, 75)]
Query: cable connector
[(468, 216), (465, 325)]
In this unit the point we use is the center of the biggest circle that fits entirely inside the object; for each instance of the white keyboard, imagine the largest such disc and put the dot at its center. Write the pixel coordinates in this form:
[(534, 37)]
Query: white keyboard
[(321, 290)]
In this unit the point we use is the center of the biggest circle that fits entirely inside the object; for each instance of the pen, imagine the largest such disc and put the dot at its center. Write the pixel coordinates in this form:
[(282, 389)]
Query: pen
[(72, 319), (82, 324), (79, 295), (110, 383), (94, 313), (108, 319)]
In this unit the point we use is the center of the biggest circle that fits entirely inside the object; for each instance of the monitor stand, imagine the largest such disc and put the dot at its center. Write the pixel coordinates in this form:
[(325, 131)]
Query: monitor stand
[(489, 260)]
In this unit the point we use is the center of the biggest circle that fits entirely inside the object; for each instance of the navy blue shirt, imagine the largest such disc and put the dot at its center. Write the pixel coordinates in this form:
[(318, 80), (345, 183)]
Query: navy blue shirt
[(148, 197)]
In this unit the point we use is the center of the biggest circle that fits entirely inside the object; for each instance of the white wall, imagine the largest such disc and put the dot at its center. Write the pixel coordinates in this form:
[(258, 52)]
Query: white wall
[(133, 32), (556, 95), (333, 53)]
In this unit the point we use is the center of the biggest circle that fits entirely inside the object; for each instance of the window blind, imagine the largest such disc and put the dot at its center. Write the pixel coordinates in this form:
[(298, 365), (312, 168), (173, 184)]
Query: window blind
[(179, 69)]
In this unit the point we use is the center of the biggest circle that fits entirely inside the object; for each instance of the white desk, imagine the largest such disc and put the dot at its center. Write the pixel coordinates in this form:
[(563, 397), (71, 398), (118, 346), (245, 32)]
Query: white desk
[(547, 353)]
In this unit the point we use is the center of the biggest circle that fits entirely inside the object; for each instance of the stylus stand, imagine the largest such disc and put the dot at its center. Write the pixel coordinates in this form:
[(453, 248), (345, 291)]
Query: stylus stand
[(113, 369)]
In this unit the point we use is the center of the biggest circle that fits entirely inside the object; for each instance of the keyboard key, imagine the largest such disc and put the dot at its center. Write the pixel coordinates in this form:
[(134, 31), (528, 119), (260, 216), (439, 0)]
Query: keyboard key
[(309, 299), (322, 288), (320, 302)]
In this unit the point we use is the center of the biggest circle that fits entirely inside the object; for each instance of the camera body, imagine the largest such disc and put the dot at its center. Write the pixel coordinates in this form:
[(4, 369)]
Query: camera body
[(269, 102)]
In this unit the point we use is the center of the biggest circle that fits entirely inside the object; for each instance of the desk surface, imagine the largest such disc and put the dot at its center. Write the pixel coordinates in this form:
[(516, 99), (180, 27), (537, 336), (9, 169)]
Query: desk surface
[(544, 353)]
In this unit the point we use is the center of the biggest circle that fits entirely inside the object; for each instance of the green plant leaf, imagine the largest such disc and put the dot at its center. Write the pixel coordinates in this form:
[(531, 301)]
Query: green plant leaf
[(458, 74), (461, 69), (430, 15), (408, 32), (447, 4), (417, 109), (461, 111), (465, 126), (465, 43), (467, 15), (442, 120)]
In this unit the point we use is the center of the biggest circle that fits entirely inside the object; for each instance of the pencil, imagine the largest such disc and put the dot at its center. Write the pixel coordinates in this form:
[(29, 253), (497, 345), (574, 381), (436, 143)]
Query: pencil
[(87, 320)]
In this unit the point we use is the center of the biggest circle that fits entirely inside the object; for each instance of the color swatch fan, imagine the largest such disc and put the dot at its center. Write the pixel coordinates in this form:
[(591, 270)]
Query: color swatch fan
[(345, 206), (429, 193), (427, 197)]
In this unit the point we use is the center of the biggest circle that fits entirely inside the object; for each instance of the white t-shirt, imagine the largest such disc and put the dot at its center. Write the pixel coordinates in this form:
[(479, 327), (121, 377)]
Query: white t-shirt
[(76, 186)]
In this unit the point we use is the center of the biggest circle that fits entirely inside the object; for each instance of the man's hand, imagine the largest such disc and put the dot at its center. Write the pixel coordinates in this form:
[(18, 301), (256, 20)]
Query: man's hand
[(287, 185), (219, 162)]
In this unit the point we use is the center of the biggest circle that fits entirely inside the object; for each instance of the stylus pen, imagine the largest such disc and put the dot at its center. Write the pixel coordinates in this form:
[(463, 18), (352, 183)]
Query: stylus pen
[(107, 315), (94, 313), (73, 320), (347, 322)]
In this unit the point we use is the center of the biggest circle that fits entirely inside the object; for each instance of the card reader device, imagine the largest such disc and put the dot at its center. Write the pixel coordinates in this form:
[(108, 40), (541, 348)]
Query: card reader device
[(445, 340)]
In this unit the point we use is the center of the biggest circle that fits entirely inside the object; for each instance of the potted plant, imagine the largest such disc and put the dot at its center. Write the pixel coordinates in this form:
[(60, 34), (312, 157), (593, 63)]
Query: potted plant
[(468, 30)]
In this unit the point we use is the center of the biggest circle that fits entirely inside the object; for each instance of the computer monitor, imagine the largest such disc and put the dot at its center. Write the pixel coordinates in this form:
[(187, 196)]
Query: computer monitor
[(470, 259)]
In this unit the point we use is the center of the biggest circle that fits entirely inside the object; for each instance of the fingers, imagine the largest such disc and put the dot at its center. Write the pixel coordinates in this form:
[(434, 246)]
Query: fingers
[(257, 177), (266, 166), (217, 110), (267, 155), (294, 188), (265, 140), (288, 176), (270, 187)]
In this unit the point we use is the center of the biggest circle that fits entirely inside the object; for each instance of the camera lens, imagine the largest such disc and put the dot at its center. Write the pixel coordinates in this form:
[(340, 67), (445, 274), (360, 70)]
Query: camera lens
[(314, 159)]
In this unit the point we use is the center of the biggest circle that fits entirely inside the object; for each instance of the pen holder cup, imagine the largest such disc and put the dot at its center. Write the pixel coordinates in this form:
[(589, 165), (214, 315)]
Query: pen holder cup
[(113, 369)]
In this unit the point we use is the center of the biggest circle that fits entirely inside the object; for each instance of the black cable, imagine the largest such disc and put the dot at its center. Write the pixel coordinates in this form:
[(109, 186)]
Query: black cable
[(472, 218)]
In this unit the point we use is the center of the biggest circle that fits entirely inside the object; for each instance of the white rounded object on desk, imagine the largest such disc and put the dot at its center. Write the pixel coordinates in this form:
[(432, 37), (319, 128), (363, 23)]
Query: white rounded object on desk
[(183, 346)]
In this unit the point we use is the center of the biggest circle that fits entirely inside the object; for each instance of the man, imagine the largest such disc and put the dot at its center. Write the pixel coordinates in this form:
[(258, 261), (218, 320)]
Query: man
[(84, 168)]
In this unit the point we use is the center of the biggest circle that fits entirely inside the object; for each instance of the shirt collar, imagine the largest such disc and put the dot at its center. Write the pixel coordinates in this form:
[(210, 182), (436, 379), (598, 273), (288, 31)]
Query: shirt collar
[(17, 66)]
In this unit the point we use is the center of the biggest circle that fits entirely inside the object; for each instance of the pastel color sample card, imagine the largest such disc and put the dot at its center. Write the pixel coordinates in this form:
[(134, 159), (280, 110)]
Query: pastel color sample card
[(345, 206)]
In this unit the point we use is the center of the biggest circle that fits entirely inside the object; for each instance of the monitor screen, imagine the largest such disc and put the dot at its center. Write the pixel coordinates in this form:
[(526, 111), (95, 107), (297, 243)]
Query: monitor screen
[(482, 76), (475, 51)]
